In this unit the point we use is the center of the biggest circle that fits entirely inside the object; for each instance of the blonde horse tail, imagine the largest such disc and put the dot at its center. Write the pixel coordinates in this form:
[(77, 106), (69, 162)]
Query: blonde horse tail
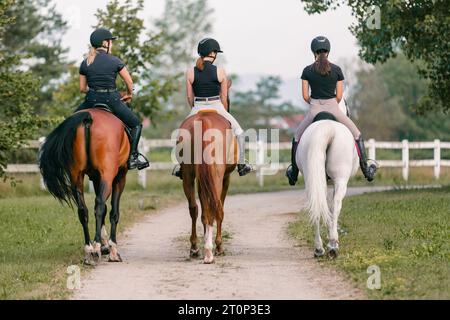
[(315, 175)]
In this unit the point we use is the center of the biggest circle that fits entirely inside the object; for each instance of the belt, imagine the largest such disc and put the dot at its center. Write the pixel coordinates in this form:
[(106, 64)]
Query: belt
[(208, 99), (103, 90)]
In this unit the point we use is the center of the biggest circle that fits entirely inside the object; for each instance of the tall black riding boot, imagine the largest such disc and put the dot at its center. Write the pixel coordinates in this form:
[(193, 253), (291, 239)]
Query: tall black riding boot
[(292, 170), (368, 171), (243, 167), (134, 161)]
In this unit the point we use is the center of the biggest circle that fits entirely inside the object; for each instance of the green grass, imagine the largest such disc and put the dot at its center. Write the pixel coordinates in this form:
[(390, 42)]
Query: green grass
[(40, 239), (405, 233)]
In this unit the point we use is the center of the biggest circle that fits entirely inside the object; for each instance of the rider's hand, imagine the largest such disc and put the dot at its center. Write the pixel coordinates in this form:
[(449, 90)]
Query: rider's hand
[(127, 98)]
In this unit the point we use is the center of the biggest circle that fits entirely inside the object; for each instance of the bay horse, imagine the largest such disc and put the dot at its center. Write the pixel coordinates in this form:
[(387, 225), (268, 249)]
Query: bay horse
[(326, 151), (212, 176), (91, 142)]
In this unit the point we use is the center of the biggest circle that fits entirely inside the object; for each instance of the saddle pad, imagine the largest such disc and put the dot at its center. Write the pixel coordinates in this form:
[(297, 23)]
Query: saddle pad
[(207, 111)]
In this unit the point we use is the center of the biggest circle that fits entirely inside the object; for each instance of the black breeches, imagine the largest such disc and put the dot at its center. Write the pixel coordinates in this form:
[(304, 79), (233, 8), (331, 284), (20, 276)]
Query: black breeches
[(114, 102)]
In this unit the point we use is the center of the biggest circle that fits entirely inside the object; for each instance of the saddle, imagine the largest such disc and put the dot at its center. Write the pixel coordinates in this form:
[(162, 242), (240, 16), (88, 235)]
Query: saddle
[(324, 116), (105, 107)]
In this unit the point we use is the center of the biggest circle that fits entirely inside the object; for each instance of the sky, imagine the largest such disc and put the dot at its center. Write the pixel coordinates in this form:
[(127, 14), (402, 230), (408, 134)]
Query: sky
[(258, 37)]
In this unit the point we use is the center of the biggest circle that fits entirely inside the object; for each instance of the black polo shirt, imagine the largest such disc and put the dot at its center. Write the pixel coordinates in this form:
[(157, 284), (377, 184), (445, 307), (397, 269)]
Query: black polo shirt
[(323, 87), (102, 73)]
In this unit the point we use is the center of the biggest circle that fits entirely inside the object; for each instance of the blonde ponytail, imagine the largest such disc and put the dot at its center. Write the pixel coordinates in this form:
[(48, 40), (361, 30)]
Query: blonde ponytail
[(200, 64), (91, 55)]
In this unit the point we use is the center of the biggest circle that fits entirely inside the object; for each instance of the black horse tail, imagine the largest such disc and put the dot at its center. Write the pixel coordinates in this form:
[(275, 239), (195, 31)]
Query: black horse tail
[(56, 156)]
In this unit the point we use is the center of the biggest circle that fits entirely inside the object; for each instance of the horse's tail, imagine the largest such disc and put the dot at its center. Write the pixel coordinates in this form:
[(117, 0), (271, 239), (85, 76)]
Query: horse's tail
[(211, 201), (315, 177), (56, 156)]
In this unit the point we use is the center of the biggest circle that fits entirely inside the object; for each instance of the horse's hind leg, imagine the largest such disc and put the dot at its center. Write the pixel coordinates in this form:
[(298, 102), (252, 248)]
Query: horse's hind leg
[(220, 216), (83, 216), (104, 235), (319, 251), (189, 191), (118, 186), (104, 191), (340, 189)]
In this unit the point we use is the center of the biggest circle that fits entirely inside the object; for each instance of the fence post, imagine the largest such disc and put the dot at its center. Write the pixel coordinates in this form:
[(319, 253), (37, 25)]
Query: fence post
[(41, 142), (405, 159), (91, 187), (142, 174), (260, 162), (437, 158), (372, 150)]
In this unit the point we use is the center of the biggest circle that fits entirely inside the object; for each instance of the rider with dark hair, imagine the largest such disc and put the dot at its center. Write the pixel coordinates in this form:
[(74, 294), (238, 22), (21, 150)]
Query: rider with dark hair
[(98, 73), (207, 88), (326, 81)]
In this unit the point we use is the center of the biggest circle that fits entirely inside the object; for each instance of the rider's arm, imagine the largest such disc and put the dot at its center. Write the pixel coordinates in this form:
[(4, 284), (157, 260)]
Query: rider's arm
[(189, 90), (305, 91), (222, 77), (125, 75), (83, 84), (339, 90)]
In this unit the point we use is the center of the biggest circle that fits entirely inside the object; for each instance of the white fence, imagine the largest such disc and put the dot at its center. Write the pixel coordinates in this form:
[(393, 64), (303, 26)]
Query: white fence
[(261, 151)]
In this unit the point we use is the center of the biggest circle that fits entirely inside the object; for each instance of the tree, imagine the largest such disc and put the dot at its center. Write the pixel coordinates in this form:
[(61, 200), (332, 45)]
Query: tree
[(139, 49), (257, 108), (420, 29), (181, 26), (18, 90), (384, 98), (36, 32)]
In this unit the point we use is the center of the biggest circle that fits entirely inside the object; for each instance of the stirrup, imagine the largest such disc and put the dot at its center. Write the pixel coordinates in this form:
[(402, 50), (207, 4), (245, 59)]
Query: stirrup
[(245, 169), (292, 180), (176, 172), (371, 167), (139, 164)]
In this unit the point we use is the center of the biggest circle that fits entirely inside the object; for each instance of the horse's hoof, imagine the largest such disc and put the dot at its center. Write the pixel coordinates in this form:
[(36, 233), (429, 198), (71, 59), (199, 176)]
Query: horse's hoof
[(208, 261), (219, 252), (104, 250), (117, 258), (333, 253), (318, 253), (89, 262), (194, 253)]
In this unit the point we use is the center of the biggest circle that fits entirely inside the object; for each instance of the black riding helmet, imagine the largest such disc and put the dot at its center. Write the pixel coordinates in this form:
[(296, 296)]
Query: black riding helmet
[(320, 43), (100, 35), (208, 45)]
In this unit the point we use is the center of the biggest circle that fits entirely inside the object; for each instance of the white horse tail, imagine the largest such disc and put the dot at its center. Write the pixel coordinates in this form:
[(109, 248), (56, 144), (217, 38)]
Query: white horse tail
[(315, 175)]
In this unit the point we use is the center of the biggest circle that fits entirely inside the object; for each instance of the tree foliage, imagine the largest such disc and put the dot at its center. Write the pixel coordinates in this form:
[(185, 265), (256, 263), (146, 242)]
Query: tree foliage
[(384, 99), (420, 29), (257, 108), (138, 48), (36, 33), (18, 91)]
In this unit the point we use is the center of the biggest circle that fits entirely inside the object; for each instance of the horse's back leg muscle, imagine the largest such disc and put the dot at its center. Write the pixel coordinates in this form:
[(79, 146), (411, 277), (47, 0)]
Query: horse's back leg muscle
[(189, 191)]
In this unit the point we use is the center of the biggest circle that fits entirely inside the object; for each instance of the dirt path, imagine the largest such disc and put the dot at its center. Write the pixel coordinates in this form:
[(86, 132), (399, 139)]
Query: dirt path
[(261, 262)]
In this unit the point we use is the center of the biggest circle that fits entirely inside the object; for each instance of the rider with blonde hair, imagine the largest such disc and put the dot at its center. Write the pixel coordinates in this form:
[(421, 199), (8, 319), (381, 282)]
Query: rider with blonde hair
[(326, 81), (207, 88), (98, 73)]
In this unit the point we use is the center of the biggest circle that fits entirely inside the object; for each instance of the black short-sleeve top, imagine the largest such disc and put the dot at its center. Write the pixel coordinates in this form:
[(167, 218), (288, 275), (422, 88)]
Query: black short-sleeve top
[(323, 87), (102, 73)]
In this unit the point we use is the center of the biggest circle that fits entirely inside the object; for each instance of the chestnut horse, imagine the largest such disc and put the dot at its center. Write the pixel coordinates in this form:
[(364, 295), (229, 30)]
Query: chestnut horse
[(91, 142), (212, 176)]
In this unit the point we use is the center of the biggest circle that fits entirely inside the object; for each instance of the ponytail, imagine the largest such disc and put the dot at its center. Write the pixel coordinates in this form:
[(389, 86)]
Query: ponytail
[(91, 55), (200, 64), (322, 65)]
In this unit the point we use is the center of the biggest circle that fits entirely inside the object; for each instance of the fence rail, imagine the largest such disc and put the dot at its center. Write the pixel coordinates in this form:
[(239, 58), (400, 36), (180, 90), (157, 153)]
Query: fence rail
[(261, 148)]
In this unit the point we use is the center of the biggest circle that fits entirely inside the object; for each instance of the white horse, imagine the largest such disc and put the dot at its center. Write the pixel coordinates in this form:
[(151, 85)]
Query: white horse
[(327, 148)]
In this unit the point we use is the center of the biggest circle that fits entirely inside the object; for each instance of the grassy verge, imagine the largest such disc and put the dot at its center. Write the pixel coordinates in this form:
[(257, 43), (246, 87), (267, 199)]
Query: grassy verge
[(405, 233), (40, 239)]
